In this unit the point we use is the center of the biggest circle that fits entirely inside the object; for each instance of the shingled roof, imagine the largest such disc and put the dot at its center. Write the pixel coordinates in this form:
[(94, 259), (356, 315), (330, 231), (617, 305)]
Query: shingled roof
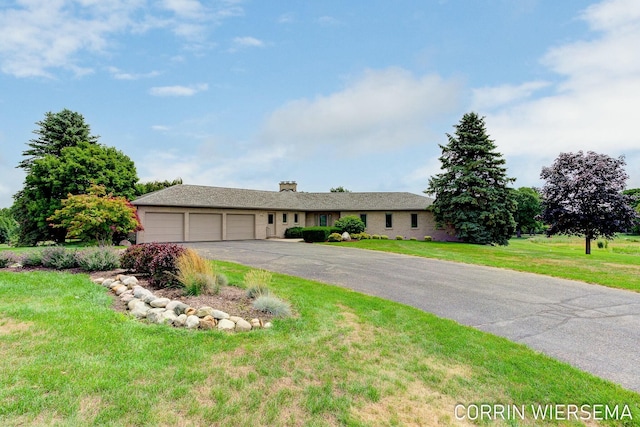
[(221, 197)]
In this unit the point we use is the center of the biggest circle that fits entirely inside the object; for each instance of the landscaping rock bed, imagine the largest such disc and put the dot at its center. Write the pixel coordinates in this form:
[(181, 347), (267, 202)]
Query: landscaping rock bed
[(159, 306)]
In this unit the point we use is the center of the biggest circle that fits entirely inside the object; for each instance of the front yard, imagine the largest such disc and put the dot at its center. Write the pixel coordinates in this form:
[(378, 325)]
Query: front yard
[(67, 358)]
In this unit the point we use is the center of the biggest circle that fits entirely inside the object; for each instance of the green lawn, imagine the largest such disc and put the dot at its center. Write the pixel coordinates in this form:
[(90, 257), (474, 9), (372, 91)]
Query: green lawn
[(67, 359), (616, 266)]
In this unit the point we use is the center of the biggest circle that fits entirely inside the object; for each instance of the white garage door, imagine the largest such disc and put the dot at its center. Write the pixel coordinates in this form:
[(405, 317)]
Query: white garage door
[(205, 227), (240, 227), (163, 227)]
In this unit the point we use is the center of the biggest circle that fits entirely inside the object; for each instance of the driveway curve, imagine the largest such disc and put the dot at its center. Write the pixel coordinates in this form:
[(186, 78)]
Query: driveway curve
[(594, 328)]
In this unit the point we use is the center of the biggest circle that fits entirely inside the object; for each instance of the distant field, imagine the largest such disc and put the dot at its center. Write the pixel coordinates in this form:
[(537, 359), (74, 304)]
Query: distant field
[(617, 265)]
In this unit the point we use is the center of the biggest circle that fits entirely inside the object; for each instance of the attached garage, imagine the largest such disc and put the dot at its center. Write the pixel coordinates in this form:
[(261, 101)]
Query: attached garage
[(204, 227), (164, 227), (241, 227)]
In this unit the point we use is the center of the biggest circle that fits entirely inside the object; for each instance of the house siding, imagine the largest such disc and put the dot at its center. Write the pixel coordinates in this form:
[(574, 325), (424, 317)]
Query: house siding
[(376, 224)]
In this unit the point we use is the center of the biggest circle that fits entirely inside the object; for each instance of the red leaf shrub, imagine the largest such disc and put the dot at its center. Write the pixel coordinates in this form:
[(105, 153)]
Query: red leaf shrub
[(156, 260)]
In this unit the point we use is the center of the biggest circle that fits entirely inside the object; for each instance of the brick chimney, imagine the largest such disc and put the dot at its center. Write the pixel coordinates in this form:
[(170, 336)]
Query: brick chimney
[(288, 186)]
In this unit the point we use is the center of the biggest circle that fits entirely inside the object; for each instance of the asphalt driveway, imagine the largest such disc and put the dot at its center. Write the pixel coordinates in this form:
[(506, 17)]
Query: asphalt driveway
[(594, 328)]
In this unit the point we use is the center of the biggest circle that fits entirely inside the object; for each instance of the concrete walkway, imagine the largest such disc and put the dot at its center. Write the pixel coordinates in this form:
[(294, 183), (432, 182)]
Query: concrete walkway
[(594, 328)]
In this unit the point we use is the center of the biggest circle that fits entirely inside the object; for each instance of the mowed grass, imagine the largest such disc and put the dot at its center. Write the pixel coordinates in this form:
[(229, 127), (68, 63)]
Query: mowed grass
[(616, 266), (344, 359)]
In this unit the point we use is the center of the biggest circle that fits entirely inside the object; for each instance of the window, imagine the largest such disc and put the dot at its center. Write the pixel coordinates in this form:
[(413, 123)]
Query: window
[(323, 220), (388, 220), (414, 220), (284, 218), (270, 219), (295, 218), (363, 218)]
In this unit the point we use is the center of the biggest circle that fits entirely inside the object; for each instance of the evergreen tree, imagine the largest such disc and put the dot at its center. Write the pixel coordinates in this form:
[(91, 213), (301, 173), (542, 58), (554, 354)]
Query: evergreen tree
[(57, 131), (472, 194)]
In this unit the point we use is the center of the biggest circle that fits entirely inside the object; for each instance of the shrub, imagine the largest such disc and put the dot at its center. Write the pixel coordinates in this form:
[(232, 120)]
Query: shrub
[(59, 258), (156, 260), (221, 280), (356, 236), (316, 234), (6, 259), (257, 283), (603, 244), (98, 259), (272, 305), (384, 237), (335, 237), (31, 259), (413, 239), (293, 233), (196, 274), (399, 237), (130, 256), (376, 237), (351, 224), (365, 236), (427, 238)]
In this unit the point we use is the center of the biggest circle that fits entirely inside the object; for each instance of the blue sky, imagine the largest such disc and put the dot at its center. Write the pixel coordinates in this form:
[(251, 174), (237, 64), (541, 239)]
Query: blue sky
[(327, 93)]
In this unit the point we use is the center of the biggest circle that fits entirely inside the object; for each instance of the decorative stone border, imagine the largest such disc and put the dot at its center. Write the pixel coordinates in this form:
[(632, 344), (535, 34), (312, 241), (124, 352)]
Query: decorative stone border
[(143, 304)]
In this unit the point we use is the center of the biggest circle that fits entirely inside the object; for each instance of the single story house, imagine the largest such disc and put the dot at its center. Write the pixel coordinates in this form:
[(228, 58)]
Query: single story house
[(192, 213)]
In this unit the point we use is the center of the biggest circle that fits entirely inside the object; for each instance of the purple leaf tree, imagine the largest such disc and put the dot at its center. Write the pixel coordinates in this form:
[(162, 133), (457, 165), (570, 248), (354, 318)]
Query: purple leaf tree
[(582, 195)]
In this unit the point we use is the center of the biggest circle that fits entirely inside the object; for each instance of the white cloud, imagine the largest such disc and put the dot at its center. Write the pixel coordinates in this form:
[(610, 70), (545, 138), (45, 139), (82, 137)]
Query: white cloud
[(185, 8), (245, 42), (247, 169), (491, 97), (594, 104), (121, 75), (240, 42), (178, 90), (39, 36), (382, 110)]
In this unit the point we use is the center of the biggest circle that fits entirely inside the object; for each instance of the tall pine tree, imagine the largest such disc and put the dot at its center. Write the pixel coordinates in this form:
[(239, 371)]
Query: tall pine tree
[(472, 194), (65, 128)]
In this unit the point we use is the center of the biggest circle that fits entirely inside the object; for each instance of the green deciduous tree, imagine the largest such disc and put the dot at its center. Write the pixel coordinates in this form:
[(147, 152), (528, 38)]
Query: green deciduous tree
[(634, 193), (529, 208), (339, 189), (472, 194), (51, 178), (582, 195), (142, 188), (8, 225), (95, 216)]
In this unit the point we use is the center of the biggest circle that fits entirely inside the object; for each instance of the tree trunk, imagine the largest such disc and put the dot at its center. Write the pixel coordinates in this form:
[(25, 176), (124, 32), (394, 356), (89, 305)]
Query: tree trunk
[(587, 245)]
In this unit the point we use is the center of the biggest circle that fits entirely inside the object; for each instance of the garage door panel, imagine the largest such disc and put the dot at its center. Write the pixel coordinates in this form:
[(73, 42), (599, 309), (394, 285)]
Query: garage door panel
[(163, 227), (205, 227), (240, 227)]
